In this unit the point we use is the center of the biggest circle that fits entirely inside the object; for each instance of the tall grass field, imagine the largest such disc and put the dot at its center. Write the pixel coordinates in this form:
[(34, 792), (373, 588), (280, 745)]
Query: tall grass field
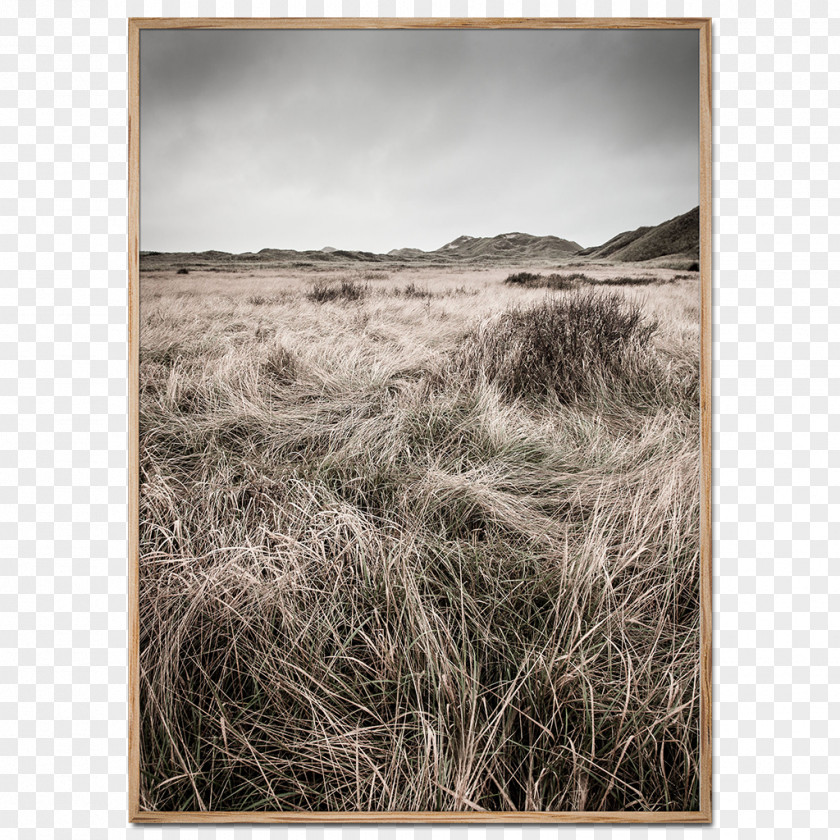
[(419, 539)]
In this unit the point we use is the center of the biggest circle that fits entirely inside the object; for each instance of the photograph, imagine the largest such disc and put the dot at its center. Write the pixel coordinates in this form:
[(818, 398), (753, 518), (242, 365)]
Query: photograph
[(419, 421)]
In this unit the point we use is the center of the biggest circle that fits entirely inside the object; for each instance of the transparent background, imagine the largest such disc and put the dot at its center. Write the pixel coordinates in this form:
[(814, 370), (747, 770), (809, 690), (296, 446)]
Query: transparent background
[(63, 415)]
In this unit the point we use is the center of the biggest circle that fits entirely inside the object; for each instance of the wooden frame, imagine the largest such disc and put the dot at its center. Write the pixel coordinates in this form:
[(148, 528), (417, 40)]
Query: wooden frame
[(704, 29)]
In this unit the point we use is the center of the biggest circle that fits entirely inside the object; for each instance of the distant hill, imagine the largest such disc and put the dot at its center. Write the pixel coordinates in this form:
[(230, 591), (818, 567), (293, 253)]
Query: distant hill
[(679, 236), (405, 253), (511, 245)]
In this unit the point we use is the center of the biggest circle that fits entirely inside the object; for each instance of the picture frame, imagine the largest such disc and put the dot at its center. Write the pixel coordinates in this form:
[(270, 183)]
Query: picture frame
[(703, 814)]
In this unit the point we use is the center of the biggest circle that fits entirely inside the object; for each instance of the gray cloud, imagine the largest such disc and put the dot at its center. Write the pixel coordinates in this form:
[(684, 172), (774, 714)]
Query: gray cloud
[(382, 139)]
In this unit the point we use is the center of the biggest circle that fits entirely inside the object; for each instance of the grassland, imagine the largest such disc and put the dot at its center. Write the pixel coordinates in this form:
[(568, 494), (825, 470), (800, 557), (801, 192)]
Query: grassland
[(431, 543)]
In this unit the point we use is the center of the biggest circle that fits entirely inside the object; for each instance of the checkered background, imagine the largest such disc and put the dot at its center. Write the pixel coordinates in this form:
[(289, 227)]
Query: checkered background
[(63, 426)]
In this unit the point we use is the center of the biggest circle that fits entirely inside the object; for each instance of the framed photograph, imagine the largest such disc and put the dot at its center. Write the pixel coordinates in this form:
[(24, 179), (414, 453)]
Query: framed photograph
[(420, 364)]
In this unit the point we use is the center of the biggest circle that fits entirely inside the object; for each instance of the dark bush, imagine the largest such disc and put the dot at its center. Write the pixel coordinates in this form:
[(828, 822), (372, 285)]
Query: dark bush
[(322, 292), (566, 347), (629, 281), (523, 278), (695, 266), (412, 290), (183, 271), (557, 282), (567, 282)]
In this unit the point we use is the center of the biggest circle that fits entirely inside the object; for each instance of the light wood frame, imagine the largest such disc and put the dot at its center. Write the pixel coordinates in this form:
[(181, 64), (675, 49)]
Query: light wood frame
[(704, 814)]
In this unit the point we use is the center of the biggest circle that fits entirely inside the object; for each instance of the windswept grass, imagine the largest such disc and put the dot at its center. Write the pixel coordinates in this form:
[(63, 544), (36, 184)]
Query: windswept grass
[(419, 555)]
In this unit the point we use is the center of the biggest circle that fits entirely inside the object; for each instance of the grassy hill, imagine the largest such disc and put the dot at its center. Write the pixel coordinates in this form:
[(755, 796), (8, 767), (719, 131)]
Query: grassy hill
[(678, 236)]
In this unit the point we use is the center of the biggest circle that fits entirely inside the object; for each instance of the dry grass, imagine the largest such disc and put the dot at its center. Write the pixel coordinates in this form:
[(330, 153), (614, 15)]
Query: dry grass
[(384, 568)]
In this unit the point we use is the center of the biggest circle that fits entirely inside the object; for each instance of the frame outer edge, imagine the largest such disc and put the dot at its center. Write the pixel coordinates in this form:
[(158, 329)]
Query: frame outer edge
[(133, 420), (706, 559), (705, 814)]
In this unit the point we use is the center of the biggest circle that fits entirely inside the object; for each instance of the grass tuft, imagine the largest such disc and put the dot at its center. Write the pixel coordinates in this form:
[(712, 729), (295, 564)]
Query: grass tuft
[(564, 347), (281, 364), (260, 300), (412, 290), (350, 290)]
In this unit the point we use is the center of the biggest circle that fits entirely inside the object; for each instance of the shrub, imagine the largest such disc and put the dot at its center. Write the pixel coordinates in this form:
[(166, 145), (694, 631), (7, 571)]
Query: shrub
[(565, 347), (567, 282), (629, 281), (523, 278), (183, 271), (695, 266), (322, 291), (557, 282), (412, 290)]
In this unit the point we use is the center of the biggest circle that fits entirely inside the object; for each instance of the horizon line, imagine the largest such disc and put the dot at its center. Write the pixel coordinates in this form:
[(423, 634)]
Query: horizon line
[(330, 249)]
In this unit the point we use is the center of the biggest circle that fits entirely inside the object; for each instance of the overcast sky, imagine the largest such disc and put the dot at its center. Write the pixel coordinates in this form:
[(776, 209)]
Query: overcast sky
[(383, 139)]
